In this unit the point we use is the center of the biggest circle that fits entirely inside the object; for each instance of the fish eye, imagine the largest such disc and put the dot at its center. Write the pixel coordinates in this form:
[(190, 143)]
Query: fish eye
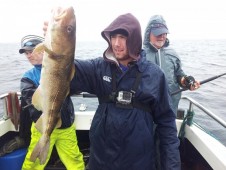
[(69, 29)]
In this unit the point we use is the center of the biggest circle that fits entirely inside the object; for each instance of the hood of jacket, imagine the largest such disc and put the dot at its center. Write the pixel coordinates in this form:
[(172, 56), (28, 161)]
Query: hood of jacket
[(154, 19), (132, 26)]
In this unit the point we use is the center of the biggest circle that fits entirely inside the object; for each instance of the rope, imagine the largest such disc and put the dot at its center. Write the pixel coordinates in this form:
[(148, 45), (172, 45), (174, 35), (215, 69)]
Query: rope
[(188, 119)]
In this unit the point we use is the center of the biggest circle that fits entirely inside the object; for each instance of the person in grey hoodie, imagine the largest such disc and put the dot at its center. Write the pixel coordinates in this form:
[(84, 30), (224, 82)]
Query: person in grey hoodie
[(156, 45)]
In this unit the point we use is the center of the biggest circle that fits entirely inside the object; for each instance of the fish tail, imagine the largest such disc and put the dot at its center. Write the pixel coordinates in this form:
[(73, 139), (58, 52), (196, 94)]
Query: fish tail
[(41, 150)]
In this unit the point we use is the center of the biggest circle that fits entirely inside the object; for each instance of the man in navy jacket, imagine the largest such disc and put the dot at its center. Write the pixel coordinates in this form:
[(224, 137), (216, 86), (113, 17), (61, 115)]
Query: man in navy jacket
[(133, 95)]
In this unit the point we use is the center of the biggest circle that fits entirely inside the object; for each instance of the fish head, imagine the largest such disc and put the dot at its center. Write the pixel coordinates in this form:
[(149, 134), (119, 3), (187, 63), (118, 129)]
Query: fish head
[(61, 32)]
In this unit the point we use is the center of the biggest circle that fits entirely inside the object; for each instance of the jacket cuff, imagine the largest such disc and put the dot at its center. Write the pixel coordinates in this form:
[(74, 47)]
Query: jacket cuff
[(180, 80)]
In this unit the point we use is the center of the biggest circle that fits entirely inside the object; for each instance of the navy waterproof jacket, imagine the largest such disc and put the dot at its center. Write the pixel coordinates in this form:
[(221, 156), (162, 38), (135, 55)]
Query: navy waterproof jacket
[(122, 139)]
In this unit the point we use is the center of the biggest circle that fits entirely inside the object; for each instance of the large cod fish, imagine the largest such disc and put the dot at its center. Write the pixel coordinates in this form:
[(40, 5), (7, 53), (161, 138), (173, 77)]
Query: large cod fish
[(57, 72)]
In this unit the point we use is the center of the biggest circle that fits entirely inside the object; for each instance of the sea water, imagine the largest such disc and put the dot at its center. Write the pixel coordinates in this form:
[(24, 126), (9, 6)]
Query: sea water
[(200, 58)]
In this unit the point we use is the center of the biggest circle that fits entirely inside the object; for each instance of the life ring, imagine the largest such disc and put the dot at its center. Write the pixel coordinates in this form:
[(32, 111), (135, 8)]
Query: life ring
[(13, 108)]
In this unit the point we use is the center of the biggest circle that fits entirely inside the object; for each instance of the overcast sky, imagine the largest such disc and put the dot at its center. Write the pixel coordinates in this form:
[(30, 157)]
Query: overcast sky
[(186, 19)]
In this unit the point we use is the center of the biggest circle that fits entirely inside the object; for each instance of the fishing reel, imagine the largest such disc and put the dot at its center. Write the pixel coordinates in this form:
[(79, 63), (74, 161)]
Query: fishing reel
[(189, 81)]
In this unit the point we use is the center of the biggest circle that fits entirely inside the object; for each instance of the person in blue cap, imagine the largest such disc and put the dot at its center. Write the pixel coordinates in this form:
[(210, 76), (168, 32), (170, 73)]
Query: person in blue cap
[(22, 139), (156, 44), (64, 139)]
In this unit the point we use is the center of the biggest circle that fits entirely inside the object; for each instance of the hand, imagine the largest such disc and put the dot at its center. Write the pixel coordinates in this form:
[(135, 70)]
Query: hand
[(190, 83), (195, 86), (45, 26)]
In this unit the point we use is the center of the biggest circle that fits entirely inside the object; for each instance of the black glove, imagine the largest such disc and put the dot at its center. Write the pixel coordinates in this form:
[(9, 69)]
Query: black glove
[(189, 81)]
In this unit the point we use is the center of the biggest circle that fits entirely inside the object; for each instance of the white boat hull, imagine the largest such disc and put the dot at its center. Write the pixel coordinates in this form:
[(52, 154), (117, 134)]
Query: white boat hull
[(209, 148)]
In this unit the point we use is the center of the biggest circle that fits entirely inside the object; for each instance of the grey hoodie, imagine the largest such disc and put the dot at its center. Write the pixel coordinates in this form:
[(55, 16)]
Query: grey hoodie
[(166, 58)]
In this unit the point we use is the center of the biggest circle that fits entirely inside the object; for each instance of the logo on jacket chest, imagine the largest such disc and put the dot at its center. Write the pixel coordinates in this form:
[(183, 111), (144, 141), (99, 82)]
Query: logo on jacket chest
[(106, 78)]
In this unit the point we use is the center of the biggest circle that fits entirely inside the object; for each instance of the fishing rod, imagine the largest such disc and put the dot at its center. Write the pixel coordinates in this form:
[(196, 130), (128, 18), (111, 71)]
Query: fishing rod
[(201, 82)]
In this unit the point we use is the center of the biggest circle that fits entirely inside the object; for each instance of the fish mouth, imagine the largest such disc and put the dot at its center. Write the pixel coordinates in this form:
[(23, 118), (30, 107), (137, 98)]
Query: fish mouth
[(62, 27), (60, 12)]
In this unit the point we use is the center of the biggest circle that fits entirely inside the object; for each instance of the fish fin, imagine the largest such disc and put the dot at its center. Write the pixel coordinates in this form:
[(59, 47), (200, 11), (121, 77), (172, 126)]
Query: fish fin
[(39, 48), (72, 72), (59, 123), (41, 150), (39, 125), (71, 77), (36, 99)]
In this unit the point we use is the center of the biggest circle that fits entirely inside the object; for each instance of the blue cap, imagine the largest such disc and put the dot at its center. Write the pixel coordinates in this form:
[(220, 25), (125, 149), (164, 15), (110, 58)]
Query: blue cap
[(158, 26)]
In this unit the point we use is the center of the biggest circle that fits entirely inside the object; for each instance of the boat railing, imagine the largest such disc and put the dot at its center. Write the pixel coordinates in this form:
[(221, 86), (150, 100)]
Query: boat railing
[(192, 103), (4, 97)]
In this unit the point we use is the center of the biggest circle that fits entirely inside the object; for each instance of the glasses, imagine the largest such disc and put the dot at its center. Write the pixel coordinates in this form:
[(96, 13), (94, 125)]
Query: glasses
[(29, 44), (31, 40)]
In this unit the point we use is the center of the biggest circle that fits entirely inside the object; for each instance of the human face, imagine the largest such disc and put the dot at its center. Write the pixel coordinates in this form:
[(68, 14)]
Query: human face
[(34, 58), (158, 41), (119, 48)]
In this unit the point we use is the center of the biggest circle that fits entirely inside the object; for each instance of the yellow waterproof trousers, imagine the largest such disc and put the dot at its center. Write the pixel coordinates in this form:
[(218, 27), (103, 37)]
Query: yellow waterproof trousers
[(65, 141)]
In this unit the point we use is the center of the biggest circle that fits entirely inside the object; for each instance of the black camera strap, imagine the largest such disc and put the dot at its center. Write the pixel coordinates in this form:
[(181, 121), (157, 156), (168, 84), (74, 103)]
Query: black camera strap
[(112, 97)]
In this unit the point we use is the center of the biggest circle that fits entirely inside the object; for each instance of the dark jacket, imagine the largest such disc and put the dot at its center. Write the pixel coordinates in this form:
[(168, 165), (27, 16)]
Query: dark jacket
[(122, 138), (29, 83), (168, 60)]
